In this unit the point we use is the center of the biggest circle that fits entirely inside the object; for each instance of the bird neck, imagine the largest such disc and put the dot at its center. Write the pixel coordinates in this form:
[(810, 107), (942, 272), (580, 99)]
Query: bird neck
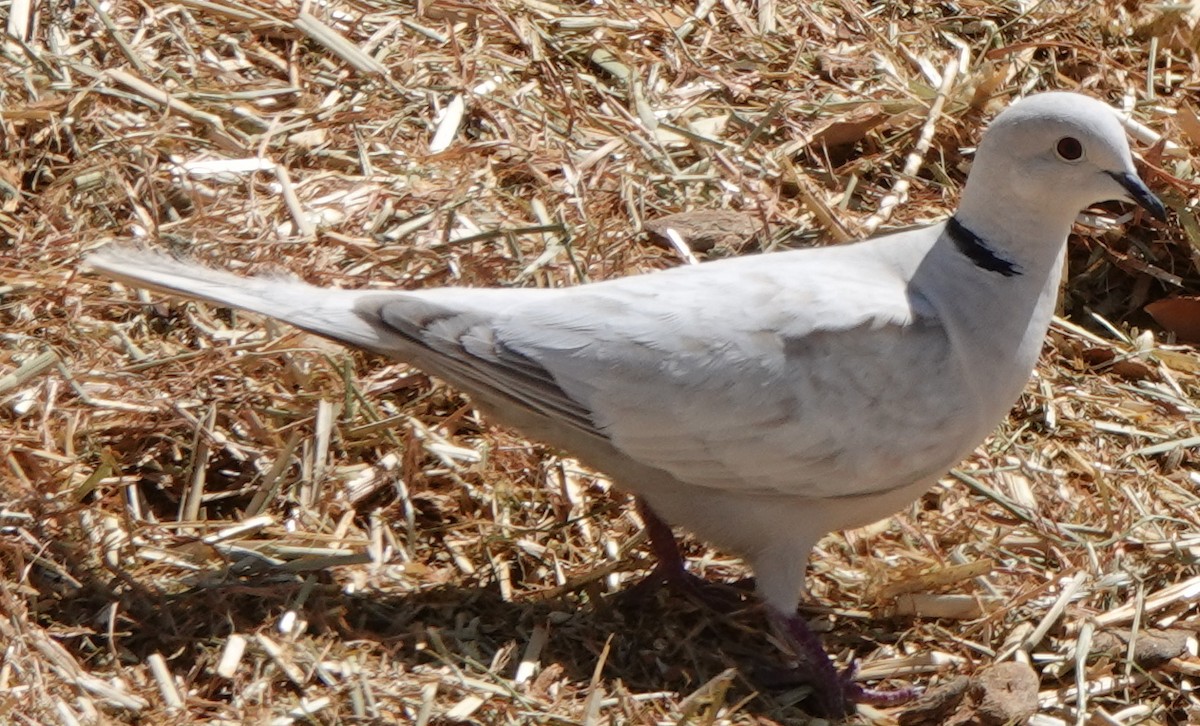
[(1026, 233), (977, 249)]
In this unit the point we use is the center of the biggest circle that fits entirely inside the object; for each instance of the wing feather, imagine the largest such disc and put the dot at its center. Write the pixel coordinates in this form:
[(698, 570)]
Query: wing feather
[(799, 396)]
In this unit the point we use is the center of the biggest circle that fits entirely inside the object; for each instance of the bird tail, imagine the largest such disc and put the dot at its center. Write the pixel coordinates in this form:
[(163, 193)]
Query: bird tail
[(330, 313)]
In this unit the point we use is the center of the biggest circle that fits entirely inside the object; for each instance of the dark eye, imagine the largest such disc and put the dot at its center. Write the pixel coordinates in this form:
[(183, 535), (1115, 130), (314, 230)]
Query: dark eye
[(1068, 148)]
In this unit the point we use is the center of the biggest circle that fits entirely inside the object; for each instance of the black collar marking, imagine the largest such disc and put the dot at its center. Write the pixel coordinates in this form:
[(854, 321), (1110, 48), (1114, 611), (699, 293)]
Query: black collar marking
[(973, 246)]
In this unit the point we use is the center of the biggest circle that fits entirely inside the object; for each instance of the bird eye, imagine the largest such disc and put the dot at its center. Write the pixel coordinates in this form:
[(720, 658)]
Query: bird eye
[(1068, 148)]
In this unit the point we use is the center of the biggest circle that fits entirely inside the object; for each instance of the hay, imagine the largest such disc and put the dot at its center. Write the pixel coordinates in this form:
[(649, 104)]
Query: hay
[(207, 517)]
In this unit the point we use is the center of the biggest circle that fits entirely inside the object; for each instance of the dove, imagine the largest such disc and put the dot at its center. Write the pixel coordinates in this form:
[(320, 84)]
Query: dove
[(758, 402)]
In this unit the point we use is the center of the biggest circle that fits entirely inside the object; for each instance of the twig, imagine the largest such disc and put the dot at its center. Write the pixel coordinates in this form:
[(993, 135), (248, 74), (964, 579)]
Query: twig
[(916, 157)]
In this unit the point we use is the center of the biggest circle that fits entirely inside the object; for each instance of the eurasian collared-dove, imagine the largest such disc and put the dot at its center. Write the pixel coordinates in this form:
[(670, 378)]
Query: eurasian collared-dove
[(764, 401)]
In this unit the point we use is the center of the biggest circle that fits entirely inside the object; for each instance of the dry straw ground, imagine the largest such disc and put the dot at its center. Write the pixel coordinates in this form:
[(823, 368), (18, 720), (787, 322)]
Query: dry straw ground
[(209, 518)]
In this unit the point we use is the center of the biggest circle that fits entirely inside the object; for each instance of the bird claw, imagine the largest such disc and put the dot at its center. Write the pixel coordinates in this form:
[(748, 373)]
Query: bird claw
[(857, 693), (835, 693)]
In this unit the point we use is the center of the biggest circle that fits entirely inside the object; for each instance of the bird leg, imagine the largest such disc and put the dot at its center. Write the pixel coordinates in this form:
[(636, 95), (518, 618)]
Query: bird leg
[(670, 568), (834, 692)]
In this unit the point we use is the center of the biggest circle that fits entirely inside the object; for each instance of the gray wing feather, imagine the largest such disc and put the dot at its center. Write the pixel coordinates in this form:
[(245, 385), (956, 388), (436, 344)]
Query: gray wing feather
[(791, 388)]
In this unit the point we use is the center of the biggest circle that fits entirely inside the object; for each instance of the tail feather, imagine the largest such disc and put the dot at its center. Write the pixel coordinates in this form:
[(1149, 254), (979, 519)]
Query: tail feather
[(448, 332), (330, 313)]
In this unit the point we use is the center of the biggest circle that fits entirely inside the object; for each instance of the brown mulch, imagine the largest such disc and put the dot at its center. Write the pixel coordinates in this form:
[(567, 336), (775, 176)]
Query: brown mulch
[(208, 517)]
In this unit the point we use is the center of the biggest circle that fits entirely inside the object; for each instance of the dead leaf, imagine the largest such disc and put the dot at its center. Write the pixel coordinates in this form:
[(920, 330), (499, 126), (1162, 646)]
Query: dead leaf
[(1189, 123), (935, 704), (849, 129), (1004, 693), (1151, 648), (1105, 359), (705, 229), (1178, 315)]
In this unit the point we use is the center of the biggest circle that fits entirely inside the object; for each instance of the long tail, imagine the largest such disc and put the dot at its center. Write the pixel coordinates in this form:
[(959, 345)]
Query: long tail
[(327, 312), (447, 331)]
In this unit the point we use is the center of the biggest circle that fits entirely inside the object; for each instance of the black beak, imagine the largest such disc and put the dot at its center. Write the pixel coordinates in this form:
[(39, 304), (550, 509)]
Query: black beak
[(1141, 194)]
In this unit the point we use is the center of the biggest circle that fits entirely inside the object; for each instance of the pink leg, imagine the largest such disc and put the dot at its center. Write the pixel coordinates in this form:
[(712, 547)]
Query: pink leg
[(671, 568), (834, 692)]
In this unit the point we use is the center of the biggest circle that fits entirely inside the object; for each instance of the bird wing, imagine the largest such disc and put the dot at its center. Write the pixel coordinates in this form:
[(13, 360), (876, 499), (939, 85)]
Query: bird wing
[(819, 375), (813, 379)]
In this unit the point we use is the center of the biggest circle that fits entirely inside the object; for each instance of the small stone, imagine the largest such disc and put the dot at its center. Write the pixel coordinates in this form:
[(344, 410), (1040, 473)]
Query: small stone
[(1005, 693)]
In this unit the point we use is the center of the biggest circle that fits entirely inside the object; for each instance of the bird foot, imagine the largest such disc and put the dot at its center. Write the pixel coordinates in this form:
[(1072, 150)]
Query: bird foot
[(858, 693), (716, 595), (835, 693)]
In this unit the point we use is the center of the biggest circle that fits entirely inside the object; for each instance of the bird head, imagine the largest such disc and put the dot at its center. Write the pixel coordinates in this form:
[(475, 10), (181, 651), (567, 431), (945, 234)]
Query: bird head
[(1060, 152)]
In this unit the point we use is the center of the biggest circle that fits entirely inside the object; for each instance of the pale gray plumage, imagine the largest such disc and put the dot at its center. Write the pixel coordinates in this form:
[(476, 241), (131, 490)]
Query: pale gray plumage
[(758, 402)]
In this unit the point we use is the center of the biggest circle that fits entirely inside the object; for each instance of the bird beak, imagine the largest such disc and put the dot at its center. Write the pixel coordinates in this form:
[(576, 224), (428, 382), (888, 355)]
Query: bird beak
[(1140, 194)]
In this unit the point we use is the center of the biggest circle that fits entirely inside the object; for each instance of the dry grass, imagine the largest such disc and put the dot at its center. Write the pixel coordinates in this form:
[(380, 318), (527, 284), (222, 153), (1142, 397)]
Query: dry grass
[(206, 517)]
